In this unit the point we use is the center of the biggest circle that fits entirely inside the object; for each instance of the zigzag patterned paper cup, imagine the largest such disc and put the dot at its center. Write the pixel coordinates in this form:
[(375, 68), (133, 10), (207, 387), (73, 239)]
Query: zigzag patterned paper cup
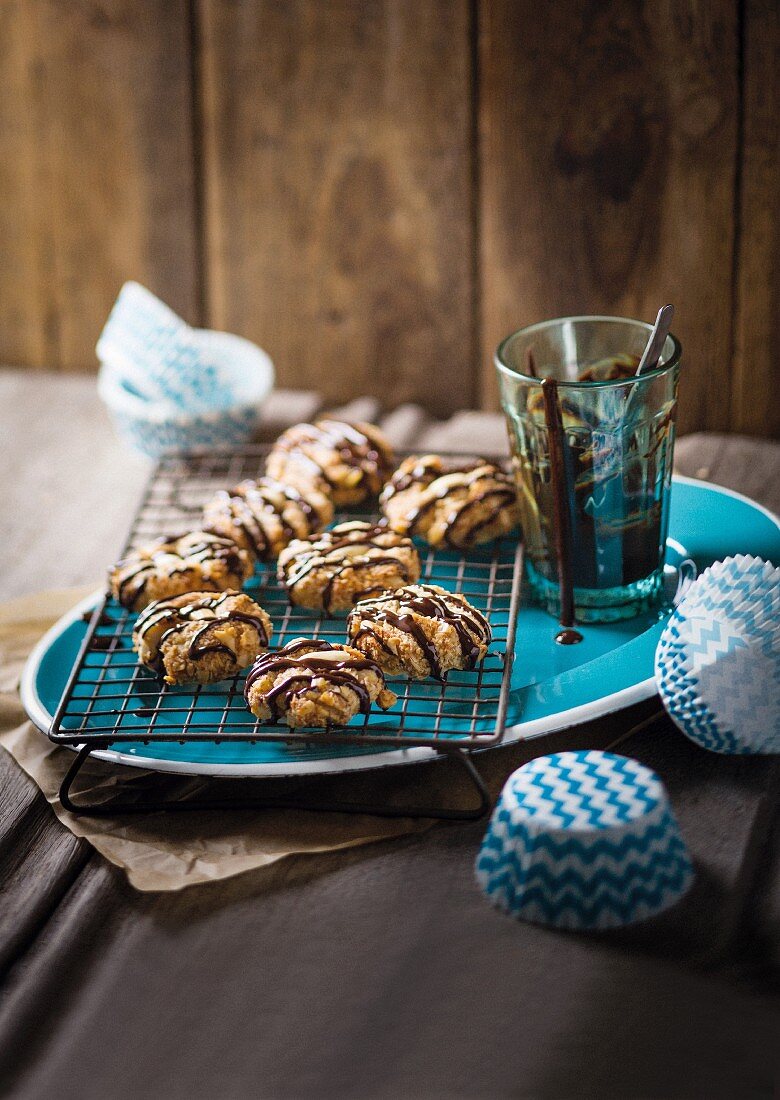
[(717, 664), (160, 356), (158, 427), (583, 840)]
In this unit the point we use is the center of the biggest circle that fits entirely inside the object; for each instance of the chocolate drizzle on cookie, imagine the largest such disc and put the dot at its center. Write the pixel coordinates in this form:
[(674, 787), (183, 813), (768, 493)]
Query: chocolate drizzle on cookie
[(310, 660), (131, 575), (175, 615), (470, 625), (500, 497), (350, 547), (260, 510), (355, 445), (425, 470), (437, 482)]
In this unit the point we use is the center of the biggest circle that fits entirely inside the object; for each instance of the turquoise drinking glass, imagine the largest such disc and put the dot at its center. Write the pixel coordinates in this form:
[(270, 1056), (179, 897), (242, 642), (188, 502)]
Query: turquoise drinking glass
[(617, 445)]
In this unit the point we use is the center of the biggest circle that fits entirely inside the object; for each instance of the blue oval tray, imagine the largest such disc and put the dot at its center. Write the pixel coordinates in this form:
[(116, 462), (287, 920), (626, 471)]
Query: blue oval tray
[(553, 687)]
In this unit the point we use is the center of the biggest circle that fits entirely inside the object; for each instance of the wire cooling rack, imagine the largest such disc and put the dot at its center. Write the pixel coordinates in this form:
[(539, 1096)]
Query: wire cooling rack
[(110, 698)]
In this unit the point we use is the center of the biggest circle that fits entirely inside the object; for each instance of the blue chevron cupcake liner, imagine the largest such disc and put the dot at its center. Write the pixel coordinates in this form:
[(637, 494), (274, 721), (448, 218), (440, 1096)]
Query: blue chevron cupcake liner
[(163, 360), (743, 593), (686, 701), (583, 840), (157, 427), (717, 664), (197, 432)]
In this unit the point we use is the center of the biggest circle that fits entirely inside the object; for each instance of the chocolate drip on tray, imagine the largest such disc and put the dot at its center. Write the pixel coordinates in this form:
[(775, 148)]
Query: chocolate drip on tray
[(563, 540)]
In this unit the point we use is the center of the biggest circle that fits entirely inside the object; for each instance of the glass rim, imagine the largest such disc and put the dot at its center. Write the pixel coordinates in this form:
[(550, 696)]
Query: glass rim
[(604, 383)]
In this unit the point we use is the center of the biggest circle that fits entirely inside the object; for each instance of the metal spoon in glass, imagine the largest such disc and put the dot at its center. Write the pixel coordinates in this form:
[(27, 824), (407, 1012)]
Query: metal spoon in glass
[(656, 341), (652, 352)]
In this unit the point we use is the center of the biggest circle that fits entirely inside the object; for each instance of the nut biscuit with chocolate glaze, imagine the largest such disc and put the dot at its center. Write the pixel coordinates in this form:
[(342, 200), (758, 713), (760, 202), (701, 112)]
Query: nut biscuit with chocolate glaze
[(200, 637), (450, 503), (199, 561), (264, 516), (351, 561), (348, 462), (316, 684), (419, 631)]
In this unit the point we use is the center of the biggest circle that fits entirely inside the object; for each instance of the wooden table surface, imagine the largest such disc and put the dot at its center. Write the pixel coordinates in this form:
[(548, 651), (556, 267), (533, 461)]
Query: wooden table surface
[(379, 972)]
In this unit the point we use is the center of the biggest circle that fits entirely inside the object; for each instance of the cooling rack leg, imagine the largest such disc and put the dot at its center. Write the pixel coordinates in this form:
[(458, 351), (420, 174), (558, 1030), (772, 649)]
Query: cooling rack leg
[(478, 782), (117, 807), (67, 782)]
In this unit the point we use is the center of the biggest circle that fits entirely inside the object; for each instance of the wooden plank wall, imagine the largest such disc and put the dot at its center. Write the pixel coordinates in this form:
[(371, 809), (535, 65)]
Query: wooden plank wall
[(97, 177), (338, 190), (377, 190)]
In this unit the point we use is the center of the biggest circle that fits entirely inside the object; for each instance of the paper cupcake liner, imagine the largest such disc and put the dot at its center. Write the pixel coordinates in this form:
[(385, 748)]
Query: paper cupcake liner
[(714, 619), (742, 693), (583, 840), (159, 355), (155, 438), (739, 589), (746, 625), (718, 660)]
